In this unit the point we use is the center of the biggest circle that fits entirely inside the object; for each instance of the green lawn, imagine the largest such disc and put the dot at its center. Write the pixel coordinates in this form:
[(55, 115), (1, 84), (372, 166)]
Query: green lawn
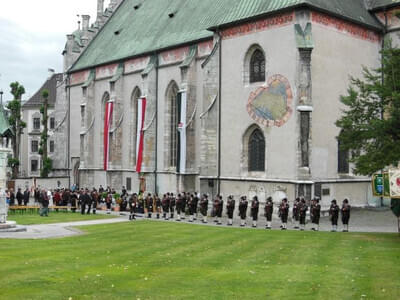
[(54, 217), (158, 260)]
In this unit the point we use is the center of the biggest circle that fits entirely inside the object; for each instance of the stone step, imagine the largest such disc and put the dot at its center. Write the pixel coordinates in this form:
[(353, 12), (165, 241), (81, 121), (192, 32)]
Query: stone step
[(8, 225)]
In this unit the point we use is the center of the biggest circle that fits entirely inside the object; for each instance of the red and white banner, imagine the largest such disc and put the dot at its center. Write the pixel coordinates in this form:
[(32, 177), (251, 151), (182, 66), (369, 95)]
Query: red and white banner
[(181, 159), (107, 126), (140, 133)]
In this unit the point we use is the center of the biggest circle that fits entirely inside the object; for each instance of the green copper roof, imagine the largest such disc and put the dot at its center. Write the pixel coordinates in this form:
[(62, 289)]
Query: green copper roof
[(143, 26)]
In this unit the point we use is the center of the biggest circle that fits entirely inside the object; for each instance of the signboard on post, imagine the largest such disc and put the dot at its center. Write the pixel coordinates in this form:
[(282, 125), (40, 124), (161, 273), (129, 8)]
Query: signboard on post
[(377, 185), (394, 181)]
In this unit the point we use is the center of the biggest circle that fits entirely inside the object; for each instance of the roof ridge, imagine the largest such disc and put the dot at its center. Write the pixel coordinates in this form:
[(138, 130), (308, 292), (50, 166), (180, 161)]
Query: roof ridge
[(152, 27)]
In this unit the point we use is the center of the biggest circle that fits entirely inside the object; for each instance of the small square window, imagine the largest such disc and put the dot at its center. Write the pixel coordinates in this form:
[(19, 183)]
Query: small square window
[(34, 165), (34, 146), (36, 123), (326, 192), (129, 183)]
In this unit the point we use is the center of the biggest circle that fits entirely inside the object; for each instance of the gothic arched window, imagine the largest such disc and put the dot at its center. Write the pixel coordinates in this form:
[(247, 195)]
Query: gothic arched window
[(257, 66), (171, 125), (257, 151)]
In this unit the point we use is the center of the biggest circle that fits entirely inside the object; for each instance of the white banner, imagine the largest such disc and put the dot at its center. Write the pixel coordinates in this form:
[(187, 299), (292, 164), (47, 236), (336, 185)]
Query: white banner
[(141, 114), (394, 179)]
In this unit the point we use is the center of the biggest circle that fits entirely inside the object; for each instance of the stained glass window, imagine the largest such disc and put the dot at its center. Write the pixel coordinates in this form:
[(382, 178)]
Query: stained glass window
[(257, 67)]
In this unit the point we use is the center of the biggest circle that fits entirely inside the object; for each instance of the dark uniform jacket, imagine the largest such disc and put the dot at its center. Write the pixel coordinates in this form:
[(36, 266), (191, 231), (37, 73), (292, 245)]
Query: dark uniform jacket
[(172, 203), (158, 202), (284, 211), (85, 199), (195, 203), (302, 210), (345, 213), (66, 198), (230, 207), (132, 204), (243, 208), (268, 210), (315, 213), (149, 203), (192, 205), (204, 206), (184, 200), (218, 207), (26, 196), (20, 197), (95, 198), (296, 210), (334, 213), (255, 204), (165, 204), (302, 213), (179, 203)]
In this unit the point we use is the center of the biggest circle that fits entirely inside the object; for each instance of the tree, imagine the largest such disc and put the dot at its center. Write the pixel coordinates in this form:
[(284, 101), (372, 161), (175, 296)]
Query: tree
[(371, 121), (16, 124), (46, 161)]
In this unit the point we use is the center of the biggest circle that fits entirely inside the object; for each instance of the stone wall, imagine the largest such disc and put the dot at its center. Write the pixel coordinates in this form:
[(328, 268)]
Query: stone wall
[(209, 115)]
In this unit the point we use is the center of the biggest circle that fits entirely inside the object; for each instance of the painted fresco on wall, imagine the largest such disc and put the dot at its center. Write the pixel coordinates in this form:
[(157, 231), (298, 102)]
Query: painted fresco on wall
[(259, 25), (79, 77), (345, 27), (271, 105)]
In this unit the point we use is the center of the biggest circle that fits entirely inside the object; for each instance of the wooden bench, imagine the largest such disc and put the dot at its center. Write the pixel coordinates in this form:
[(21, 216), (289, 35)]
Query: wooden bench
[(62, 208), (22, 209), (34, 209)]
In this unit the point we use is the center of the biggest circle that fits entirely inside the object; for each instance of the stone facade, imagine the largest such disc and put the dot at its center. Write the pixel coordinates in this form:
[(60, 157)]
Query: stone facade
[(309, 57), (294, 145)]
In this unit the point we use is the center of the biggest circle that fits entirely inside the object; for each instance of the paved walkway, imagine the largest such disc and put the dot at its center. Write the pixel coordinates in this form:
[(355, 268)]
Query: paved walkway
[(57, 230), (362, 220)]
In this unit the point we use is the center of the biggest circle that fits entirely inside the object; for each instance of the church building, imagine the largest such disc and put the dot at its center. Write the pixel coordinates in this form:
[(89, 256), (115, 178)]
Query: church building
[(223, 96)]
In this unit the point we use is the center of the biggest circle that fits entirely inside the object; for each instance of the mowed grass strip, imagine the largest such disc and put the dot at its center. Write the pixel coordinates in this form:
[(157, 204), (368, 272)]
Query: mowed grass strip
[(159, 260), (55, 217)]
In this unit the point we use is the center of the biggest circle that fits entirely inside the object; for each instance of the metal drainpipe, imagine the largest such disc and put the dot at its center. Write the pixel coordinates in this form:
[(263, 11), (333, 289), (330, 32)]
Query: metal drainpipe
[(68, 87), (383, 48), (385, 30), (156, 142), (219, 111)]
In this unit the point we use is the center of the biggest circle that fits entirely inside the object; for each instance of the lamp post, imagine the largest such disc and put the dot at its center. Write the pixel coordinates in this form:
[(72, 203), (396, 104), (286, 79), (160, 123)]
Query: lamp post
[(1, 97)]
